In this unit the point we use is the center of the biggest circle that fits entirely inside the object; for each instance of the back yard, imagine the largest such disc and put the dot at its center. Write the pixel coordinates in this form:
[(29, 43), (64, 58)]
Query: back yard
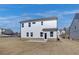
[(12, 46)]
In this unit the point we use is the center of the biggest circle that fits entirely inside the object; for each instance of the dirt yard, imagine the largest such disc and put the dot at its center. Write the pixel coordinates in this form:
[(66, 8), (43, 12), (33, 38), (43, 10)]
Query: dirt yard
[(15, 46)]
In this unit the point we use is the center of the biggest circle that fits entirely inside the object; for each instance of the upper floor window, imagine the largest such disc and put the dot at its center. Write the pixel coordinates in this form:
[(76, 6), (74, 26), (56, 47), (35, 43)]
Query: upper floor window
[(22, 24), (41, 34), (41, 22), (29, 24), (51, 34), (31, 34), (33, 22)]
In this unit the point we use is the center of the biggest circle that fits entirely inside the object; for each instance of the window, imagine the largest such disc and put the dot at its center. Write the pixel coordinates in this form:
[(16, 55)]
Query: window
[(41, 34), (33, 22), (29, 24), (75, 27), (22, 24), (27, 34), (31, 34), (42, 23), (51, 34)]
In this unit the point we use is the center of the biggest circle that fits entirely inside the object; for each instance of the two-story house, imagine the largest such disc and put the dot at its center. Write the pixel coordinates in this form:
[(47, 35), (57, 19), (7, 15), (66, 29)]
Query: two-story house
[(74, 28), (43, 28)]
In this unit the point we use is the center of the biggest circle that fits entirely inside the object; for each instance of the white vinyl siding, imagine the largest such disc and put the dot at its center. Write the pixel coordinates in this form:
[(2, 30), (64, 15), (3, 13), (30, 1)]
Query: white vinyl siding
[(37, 28)]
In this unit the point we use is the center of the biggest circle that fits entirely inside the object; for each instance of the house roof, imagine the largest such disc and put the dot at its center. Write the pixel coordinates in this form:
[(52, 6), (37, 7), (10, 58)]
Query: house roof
[(40, 19), (49, 29), (76, 16)]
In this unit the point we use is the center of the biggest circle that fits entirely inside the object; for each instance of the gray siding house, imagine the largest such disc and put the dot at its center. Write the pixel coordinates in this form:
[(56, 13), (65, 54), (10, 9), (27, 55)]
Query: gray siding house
[(74, 28)]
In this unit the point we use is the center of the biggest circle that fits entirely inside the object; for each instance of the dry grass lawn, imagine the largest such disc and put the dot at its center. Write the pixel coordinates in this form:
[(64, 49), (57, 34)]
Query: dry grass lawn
[(15, 46)]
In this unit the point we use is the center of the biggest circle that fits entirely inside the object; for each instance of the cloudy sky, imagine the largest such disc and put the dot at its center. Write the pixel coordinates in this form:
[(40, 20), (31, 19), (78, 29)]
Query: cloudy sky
[(11, 15)]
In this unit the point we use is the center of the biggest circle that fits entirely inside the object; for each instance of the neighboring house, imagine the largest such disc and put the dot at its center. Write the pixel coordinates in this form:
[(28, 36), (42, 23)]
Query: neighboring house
[(74, 28), (1, 31), (67, 32), (64, 33), (5, 32), (8, 32), (43, 28), (17, 34)]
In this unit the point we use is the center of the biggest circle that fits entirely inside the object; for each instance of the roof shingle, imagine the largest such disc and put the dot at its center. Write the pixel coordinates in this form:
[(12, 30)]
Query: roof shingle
[(40, 19)]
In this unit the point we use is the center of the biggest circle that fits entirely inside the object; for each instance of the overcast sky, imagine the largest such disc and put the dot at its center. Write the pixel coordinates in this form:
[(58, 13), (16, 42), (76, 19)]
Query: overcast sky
[(11, 15)]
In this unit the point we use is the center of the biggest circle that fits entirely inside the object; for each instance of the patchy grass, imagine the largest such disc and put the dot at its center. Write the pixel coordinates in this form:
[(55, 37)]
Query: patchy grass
[(12, 46)]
